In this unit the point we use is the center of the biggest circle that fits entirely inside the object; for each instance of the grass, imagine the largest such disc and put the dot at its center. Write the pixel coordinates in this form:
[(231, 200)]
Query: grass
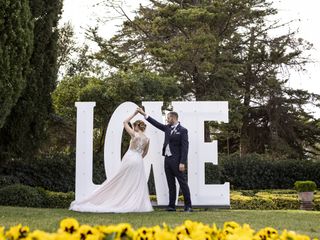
[(303, 222)]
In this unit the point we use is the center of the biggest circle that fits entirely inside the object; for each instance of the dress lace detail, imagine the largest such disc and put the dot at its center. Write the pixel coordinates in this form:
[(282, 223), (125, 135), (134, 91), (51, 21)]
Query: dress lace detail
[(138, 142), (127, 191)]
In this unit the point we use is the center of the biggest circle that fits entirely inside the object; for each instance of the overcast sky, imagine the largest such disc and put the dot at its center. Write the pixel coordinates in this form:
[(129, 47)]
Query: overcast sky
[(83, 13)]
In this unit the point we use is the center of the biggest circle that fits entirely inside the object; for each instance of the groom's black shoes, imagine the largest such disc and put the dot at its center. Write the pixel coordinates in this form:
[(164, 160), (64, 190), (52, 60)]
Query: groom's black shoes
[(188, 209), (170, 209)]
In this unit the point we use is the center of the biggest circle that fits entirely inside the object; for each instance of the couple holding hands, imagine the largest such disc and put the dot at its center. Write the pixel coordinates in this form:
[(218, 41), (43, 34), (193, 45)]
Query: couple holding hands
[(128, 190)]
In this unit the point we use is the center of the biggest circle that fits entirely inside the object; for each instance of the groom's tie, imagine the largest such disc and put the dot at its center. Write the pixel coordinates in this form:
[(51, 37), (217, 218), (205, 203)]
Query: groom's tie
[(167, 150), (172, 129)]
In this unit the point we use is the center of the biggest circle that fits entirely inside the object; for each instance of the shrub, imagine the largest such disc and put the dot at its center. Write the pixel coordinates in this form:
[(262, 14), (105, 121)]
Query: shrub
[(264, 201), (57, 172), (305, 186), (51, 172), (21, 195), (316, 204), (6, 180), (26, 196), (256, 171), (58, 199)]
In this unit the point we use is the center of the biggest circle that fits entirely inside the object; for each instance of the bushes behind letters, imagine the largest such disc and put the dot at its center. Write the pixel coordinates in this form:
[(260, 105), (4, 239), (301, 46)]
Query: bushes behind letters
[(26, 196), (262, 172), (57, 173), (53, 172)]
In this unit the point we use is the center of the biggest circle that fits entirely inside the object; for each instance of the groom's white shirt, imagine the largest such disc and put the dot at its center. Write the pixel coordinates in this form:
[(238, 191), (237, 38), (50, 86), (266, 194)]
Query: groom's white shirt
[(168, 151)]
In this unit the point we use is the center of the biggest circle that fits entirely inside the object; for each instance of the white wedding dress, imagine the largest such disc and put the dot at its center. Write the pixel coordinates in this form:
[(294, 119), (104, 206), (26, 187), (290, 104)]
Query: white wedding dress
[(127, 191)]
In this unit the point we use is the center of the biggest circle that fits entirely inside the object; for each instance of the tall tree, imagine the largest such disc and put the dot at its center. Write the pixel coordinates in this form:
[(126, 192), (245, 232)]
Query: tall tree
[(25, 127), (66, 46), (221, 50), (135, 85), (16, 41)]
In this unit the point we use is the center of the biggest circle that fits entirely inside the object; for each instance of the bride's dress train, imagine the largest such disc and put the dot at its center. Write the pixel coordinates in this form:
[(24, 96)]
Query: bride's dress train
[(127, 191)]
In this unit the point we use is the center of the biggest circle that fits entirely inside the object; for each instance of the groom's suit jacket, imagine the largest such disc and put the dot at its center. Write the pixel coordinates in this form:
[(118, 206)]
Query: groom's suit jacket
[(178, 140)]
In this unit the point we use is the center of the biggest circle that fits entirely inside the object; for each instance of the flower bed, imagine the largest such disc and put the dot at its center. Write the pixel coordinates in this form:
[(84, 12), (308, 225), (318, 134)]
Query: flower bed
[(26, 196), (268, 200), (71, 229)]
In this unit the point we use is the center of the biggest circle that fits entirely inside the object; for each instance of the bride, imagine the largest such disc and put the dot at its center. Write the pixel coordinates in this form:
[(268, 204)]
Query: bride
[(127, 191)]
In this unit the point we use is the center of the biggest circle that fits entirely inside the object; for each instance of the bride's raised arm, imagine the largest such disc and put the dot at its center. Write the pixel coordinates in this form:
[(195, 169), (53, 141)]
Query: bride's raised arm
[(127, 126)]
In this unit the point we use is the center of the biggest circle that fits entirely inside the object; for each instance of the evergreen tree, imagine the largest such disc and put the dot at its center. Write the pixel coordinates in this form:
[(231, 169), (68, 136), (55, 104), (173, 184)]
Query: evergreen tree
[(134, 85), (16, 41), (223, 50), (25, 126)]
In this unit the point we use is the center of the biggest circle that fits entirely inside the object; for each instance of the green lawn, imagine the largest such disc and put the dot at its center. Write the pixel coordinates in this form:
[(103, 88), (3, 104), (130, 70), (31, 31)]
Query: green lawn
[(303, 222)]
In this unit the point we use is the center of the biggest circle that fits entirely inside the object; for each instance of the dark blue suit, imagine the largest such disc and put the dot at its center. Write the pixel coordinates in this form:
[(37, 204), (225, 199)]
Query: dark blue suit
[(179, 145)]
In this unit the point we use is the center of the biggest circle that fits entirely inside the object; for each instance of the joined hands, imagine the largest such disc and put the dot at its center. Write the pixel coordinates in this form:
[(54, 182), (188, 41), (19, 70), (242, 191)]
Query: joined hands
[(140, 110)]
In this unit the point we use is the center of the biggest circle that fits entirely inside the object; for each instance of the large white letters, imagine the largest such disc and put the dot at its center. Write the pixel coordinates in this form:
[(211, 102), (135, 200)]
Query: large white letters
[(84, 148), (191, 114)]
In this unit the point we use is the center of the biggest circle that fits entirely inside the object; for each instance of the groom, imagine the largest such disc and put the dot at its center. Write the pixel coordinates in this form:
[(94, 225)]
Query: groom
[(175, 152)]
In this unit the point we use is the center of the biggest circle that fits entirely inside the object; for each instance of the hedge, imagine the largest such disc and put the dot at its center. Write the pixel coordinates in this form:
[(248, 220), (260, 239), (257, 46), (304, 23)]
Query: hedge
[(57, 173), (262, 172), (264, 201), (305, 186), (53, 172), (26, 196)]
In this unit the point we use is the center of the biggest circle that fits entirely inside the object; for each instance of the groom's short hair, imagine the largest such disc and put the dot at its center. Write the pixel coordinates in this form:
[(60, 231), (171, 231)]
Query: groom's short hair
[(174, 114)]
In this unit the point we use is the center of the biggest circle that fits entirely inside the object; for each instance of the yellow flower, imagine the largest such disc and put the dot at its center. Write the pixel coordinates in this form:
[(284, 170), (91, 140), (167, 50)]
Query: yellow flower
[(93, 237), (38, 235), (2, 233), (124, 230), (17, 232), (183, 237), (181, 231), (290, 235), (63, 236), (206, 229), (241, 233), (200, 235), (229, 227), (267, 233), (71, 230), (155, 229), (215, 232), (69, 225), (190, 226), (117, 232), (165, 226), (88, 232), (164, 235), (106, 230), (143, 233), (221, 235)]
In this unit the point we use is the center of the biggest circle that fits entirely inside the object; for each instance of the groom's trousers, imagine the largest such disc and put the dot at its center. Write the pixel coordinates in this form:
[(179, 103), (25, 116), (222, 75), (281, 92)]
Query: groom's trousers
[(171, 166)]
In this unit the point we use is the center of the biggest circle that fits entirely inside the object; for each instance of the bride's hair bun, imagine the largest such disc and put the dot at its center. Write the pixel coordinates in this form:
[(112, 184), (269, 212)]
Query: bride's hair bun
[(140, 124)]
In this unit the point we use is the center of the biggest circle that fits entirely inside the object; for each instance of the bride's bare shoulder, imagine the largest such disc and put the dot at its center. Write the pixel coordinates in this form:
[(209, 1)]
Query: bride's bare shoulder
[(143, 136)]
